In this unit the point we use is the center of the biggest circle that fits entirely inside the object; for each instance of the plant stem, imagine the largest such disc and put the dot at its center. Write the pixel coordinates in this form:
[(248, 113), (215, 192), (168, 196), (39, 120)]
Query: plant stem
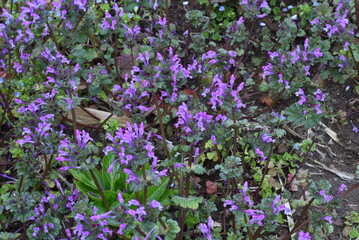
[(304, 158), (167, 15), (297, 226), (104, 201), (349, 190), (73, 115), (145, 189), (53, 37), (2, 226), (44, 174), (119, 79), (163, 135), (6, 105), (357, 13), (20, 184), (264, 173)]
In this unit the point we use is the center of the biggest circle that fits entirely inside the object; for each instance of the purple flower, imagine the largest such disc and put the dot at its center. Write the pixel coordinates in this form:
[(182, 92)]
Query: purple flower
[(267, 70), (327, 198), (303, 236), (246, 198), (256, 216), (101, 216), (328, 219), (260, 153), (82, 138), (355, 129), (341, 189), (17, 66), (81, 4), (267, 139), (206, 229), (230, 203), (317, 109), (317, 53), (275, 207), (156, 204), (300, 93), (131, 176)]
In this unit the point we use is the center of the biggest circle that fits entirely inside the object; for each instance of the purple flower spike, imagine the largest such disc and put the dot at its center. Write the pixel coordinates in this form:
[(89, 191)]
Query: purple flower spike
[(303, 236), (327, 198), (82, 138), (341, 189), (328, 219)]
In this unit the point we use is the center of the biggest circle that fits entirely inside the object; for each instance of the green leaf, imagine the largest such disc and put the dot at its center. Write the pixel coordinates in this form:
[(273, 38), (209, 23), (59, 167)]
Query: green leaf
[(156, 192), (190, 202)]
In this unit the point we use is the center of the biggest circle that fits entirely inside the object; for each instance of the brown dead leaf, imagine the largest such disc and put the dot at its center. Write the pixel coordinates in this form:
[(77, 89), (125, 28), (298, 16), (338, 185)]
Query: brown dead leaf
[(211, 187), (267, 99), (91, 116), (190, 92)]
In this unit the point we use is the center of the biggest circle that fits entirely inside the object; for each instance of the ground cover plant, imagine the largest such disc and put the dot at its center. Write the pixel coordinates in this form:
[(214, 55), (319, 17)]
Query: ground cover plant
[(170, 119)]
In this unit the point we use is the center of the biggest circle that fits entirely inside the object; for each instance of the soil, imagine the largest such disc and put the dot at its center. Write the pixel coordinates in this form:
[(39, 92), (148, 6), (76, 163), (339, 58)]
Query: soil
[(342, 156)]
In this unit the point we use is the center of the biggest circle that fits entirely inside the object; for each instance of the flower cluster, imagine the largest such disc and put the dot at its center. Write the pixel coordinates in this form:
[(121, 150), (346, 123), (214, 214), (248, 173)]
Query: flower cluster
[(79, 155)]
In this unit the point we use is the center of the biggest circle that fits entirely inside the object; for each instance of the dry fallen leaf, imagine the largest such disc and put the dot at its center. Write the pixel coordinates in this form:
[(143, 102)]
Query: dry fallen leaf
[(91, 116), (267, 99), (211, 187)]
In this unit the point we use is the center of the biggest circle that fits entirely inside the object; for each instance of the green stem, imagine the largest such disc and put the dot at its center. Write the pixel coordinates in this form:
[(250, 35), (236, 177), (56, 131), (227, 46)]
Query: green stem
[(53, 37), (162, 129), (140, 231), (104, 201), (355, 62), (357, 13), (6, 105), (73, 115), (264, 173), (167, 15), (116, 61), (21, 182), (304, 158), (2, 226), (145, 189), (44, 174), (78, 22)]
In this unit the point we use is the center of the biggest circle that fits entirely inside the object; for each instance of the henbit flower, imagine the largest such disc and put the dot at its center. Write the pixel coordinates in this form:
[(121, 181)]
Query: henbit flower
[(355, 129), (246, 198), (82, 138), (206, 229), (341, 189), (277, 209), (156, 204), (162, 22), (327, 198), (328, 219), (267, 139), (260, 153), (230, 203), (256, 216), (303, 236), (101, 216), (317, 53)]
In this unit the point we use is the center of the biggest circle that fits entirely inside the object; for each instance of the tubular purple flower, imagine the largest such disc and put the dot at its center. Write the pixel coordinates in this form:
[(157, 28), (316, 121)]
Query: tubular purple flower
[(156, 204), (256, 216), (327, 198), (328, 219), (101, 216), (82, 138), (303, 236), (121, 228), (341, 189), (267, 139)]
